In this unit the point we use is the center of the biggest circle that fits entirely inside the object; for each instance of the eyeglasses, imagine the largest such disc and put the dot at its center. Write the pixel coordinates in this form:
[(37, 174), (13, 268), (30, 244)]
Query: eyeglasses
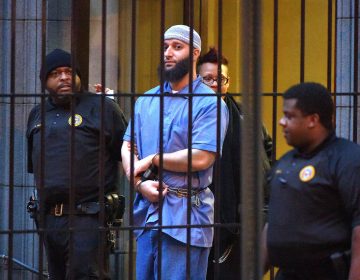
[(210, 80), (56, 74)]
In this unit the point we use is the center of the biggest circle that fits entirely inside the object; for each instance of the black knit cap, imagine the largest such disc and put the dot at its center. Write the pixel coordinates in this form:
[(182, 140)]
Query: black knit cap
[(56, 58)]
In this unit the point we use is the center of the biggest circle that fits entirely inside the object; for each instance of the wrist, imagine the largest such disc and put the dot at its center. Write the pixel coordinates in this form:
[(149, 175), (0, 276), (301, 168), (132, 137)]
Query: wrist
[(155, 159), (138, 186)]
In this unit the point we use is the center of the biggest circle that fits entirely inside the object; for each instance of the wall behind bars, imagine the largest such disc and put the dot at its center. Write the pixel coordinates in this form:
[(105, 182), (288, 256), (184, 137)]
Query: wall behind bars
[(27, 67), (346, 71)]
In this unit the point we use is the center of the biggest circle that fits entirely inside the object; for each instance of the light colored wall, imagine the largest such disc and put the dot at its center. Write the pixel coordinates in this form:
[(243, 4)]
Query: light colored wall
[(206, 22)]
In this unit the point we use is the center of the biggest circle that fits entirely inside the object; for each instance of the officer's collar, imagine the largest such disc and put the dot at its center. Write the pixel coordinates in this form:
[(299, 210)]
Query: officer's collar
[(331, 137), (50, 105)]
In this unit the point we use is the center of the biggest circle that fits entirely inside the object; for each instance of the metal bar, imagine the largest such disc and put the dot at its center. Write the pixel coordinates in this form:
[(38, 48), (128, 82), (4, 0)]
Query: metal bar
[(161, 136), (335, 60), (189, 169), (132, 133), (275, 91), (131, 212), (73, 40), (251, 191), (220, 8), (103, 256), (40, 187), (12, 136), (216, 182), (133, 47), (302, 42), (356, 69), (329, 46), (275, 78)]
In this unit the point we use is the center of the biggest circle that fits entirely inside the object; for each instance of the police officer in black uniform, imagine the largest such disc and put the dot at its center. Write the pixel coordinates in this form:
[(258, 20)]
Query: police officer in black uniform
[(73, 157), (313, 230)]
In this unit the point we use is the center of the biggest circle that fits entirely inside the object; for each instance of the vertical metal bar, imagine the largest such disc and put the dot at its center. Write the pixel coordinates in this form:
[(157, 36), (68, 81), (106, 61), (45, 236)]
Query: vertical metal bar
[(132, 133), (72, 141), (302, 42), (162, 30), (12, 138), (132, 182), (329, 46), (42, 141), (190, 8), (335, 61), (275, 91), (132, 150), (200, 16), (356, 69), (189, 169), (103, 257), (161, 136), (275, 78), (216, 182), (191, 54), (251, 191), (329, 51), (133, 47), (219, 45)]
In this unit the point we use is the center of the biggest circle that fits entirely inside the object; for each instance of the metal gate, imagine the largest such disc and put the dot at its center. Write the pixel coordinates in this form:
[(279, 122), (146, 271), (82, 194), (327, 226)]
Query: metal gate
[(272, 44)]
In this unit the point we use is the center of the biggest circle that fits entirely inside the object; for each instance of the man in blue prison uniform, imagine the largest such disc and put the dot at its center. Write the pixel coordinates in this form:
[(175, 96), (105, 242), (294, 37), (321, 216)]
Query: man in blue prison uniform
[(175, 163)]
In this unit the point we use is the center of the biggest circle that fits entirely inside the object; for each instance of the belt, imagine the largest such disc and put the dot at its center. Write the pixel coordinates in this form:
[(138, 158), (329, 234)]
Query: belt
[(182, 192), (86, 208)]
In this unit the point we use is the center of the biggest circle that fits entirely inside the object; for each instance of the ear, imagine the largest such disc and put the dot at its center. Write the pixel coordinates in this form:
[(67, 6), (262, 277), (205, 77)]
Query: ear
[(314, 120), (196, 53)]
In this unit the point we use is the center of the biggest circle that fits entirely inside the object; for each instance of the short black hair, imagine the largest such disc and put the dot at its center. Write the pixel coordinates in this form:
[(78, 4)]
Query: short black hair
[(313, 98), (212, 56)]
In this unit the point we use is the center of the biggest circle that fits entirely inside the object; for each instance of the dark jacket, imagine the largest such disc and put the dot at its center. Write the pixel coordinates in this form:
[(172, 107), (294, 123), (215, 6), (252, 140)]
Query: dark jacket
[(230, 177)]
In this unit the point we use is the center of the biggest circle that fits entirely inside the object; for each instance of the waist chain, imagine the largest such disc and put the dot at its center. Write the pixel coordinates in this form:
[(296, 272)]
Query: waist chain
[(182, 192)]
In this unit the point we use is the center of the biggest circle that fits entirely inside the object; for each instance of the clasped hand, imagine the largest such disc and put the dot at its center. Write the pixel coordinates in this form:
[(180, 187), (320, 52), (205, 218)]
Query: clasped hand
[(149, 188)]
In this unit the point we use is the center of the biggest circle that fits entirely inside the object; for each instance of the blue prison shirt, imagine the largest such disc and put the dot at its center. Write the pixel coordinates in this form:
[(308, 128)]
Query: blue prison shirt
[(175, 138)]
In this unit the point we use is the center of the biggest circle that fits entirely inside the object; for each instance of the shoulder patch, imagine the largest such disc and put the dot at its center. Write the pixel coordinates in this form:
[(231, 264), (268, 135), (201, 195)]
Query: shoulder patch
[(77, 120), (307, 173)]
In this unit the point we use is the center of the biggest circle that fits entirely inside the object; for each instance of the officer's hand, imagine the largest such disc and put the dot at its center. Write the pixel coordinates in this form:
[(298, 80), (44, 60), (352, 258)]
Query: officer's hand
[(150, 190), (99, 89)]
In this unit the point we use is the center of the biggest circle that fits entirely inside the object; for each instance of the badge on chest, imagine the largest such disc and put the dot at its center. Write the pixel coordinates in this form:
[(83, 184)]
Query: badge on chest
[(77, 120), (307, 173)]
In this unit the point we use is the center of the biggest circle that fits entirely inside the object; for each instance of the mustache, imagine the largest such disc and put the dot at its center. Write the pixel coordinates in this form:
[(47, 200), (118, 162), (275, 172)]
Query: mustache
[(63, 85)]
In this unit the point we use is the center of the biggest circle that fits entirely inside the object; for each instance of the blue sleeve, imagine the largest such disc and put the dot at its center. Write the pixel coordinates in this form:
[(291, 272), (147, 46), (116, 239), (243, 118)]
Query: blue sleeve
[(205, 124)]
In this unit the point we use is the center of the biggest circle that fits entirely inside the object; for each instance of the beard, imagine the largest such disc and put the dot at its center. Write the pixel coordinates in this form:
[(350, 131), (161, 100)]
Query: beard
[(60, 99), (176, 73), (64, 98)]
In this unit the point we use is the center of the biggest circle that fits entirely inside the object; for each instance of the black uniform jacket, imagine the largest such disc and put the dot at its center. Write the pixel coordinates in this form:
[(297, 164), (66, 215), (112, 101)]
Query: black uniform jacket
[(230, 177), (314, 204), (78, 156)]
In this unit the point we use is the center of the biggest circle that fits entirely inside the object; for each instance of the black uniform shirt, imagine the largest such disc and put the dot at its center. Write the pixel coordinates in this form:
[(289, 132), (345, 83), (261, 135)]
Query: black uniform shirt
[(86, 148), (314, 203)]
